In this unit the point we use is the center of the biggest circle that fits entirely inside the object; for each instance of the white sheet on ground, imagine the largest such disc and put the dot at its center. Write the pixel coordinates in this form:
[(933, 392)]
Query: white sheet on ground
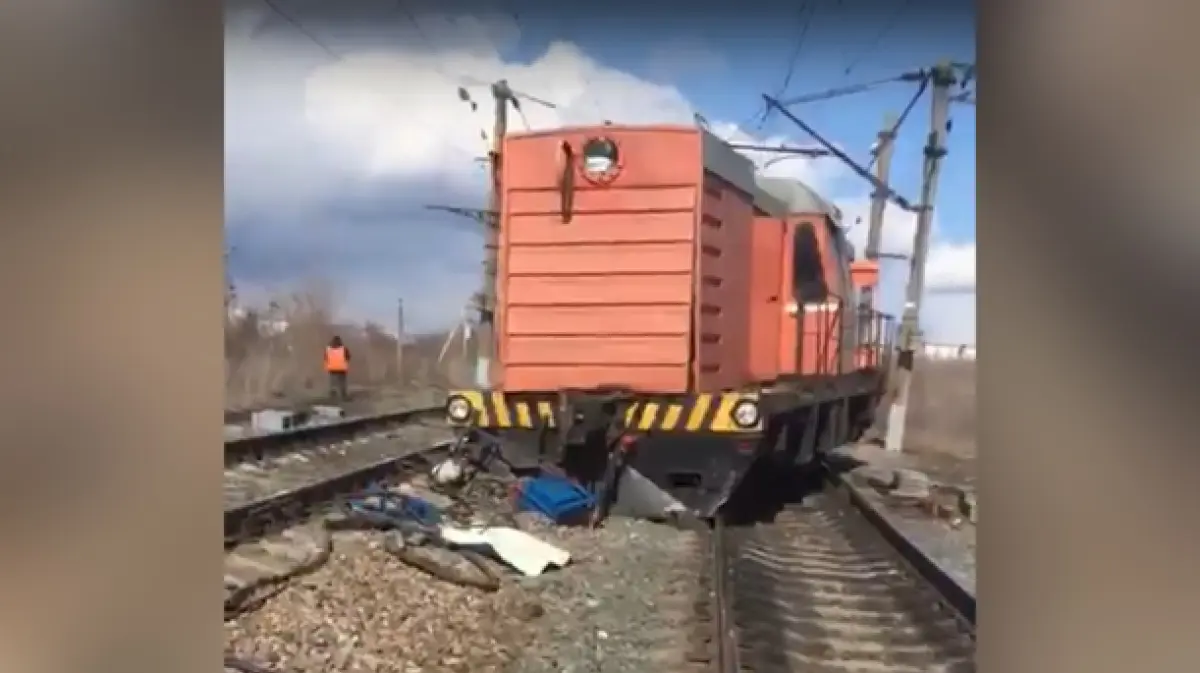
[(520, 550)]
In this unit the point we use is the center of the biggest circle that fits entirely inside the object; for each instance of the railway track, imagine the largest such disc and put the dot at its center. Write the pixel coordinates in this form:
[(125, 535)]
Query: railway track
[(277, 485), (260, 465), (361, 400), (241, 415), (822, 584), (817, 583)]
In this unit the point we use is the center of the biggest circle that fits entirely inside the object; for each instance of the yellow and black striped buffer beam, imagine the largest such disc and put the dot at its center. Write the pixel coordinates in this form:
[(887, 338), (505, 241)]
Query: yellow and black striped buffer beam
[(496, 410), (702, 412)]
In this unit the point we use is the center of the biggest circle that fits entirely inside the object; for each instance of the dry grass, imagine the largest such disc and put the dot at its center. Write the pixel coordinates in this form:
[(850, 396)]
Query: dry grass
[(264, 365), (941, 416)]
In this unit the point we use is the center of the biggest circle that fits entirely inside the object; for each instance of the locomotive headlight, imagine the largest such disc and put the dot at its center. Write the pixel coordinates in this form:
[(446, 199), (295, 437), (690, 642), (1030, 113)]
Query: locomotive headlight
[(745, 414), (600, 157), (458, 409)]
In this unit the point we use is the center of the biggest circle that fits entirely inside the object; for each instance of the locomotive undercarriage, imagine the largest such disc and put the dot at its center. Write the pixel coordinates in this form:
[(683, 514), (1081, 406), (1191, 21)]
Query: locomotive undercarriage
[(641, 463)]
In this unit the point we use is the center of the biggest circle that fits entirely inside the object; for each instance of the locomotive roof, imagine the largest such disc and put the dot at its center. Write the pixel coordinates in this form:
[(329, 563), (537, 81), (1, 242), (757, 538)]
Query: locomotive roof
[(774, 196), (798, 197), (732, 166)]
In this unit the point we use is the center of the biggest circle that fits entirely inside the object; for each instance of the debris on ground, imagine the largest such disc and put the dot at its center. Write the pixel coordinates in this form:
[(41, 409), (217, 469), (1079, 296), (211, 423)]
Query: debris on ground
[(502, 599), (914, 489), (558, 499), (524, 552)]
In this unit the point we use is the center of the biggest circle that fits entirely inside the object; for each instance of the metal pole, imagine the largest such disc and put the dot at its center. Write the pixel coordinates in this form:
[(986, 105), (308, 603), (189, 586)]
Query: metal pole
[(485, 342), (935, 149), (883, 165), (879, 198)]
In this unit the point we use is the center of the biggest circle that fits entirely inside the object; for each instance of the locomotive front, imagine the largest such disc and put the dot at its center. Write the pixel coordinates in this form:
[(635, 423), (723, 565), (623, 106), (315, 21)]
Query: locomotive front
[(622, 325)]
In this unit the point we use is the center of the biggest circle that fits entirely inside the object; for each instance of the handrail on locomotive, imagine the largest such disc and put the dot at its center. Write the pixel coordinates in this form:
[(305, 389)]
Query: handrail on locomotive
[(824, 327)]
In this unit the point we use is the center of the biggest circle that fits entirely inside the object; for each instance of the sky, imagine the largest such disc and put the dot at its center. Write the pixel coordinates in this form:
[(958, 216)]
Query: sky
[(343, 121)]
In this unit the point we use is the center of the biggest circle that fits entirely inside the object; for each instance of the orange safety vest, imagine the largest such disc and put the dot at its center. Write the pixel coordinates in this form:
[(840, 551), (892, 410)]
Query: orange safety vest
[(335, 359)]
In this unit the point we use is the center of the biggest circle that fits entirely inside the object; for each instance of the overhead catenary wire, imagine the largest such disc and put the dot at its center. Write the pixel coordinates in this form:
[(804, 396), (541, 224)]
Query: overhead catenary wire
[(411, 18), (763, 112), (462, 79), (807, 11), (782, 152), (295, 23), (760, 117), (782, 149), (851, 89), (892, 195), (888, 26)]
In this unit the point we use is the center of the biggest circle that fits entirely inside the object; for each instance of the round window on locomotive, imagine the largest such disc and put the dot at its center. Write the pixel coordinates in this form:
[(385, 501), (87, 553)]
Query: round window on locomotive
[(600, 157)]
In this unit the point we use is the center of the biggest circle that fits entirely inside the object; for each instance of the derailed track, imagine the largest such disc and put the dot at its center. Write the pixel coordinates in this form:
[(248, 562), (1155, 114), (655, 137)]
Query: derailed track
[(814, 584)]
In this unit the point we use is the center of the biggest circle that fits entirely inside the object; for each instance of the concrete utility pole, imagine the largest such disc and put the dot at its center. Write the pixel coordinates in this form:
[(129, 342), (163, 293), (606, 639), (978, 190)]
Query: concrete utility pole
[(485, 341), (935, 149), (879, 198)]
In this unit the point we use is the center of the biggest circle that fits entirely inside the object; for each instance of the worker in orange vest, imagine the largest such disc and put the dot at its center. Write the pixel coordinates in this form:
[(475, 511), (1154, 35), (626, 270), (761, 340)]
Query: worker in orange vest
[(337, 365)]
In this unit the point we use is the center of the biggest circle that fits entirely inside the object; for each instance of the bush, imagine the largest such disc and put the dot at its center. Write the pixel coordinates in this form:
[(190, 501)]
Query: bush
[(274, 353)]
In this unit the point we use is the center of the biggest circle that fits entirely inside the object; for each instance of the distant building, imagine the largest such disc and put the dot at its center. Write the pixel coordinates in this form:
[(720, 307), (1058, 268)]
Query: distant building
[(949, 351), (267, 326)]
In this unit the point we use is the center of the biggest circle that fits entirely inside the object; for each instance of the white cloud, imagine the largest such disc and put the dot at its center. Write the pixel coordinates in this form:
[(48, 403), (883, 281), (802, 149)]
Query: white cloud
[(951, 267), (304, 130), (949, 305), (401, 115)]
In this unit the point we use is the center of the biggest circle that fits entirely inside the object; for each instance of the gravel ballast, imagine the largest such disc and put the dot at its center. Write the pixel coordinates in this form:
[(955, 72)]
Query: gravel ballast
[(623, 604)]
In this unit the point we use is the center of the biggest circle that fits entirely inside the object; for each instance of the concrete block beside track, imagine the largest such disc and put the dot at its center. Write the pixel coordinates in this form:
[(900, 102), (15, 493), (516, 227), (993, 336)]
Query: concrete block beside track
[(275, 420), (952, 550), (327, 411)]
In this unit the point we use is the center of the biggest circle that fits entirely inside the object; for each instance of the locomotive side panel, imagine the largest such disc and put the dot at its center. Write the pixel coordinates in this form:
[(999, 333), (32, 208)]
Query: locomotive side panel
[(769, 296), (722, 285), (597, 276), (789, 321)]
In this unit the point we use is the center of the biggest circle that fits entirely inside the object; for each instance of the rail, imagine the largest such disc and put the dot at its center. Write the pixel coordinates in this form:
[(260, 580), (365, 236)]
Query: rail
[(242, 414), (259, 518), (784, 570), (260, 447), (951, 592)]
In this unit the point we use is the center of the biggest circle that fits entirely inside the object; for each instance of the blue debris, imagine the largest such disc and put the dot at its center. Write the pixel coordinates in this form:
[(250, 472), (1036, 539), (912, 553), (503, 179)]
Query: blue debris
[(384, 507), (558, 499)]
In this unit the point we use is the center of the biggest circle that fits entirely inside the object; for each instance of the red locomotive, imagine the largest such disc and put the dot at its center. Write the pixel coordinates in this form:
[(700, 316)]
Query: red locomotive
[(661, 301)]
